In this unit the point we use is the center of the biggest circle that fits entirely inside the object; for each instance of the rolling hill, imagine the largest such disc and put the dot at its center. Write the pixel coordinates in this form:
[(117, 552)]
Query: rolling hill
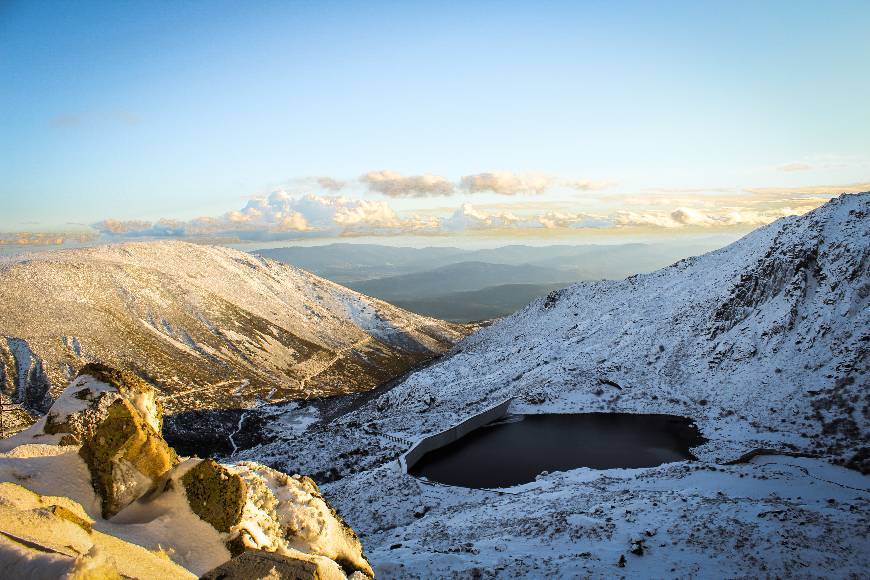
[(211, 327)]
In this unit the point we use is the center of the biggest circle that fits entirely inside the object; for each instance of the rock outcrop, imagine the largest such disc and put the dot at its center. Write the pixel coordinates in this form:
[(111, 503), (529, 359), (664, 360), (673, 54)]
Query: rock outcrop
[(116, 419), (85, 403), (137, 476), (298, 516), (257, 508), (126, 457), (52, 537)]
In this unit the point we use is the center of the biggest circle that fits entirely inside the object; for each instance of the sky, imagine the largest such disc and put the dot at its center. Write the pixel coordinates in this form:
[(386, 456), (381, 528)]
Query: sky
[(268, 121)]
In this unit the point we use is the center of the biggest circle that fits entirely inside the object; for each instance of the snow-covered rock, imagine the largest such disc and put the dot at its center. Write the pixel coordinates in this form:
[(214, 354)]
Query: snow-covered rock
[(257, 508), (85, 402), (287, 512), (50, 537), (117, 420)]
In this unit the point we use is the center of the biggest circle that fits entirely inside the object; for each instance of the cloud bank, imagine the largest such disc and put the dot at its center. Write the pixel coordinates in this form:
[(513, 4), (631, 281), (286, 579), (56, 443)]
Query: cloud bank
[(279, 215), (43, 238), (282, 215)]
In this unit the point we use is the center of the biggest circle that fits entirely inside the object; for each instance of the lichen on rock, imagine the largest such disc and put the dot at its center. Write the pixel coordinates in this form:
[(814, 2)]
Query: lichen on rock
[(126, 457), (215, 494)]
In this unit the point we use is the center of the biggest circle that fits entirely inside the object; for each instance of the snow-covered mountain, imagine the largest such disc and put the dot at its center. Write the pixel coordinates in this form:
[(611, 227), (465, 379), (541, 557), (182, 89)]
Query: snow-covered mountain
[(211, 326), (764, 343)]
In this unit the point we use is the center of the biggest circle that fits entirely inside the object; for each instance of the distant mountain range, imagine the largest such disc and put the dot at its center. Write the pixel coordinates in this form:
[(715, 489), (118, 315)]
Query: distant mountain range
[(209, 326), (460, 277), (476, 305), (465, 285), (345, 263)]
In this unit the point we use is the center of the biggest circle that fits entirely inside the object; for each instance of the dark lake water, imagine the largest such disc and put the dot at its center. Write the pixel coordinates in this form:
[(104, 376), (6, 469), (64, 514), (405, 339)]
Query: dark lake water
[(516, 449)]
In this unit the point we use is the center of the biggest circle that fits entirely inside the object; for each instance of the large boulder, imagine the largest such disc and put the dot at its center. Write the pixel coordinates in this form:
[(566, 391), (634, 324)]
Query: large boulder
[(48, 537), (126, 456), (260, 565), (116, 419), (306, 522), (258, 508), (215, 494), (83, 405)]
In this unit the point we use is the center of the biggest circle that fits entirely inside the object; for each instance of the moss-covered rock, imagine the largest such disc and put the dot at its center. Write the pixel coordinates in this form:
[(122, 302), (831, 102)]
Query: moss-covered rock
[(126, 456), (215, 494), (84, 403)]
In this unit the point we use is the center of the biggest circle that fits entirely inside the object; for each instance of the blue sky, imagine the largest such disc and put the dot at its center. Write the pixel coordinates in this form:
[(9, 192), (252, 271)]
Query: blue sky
[(142, 111)]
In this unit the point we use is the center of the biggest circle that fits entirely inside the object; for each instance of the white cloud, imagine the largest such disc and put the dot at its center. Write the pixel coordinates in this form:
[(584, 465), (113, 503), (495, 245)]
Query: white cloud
[(507, 183), (393, 184), (467, 217), (704, 218), (560, 220), (276, 216), (110, 226), (685, 216), (282, 215), (327, 214)]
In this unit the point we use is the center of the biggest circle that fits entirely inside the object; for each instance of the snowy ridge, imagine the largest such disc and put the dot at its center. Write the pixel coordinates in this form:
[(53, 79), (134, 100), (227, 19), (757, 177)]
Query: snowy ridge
[(771, 331), (764, 343), (212, 326)]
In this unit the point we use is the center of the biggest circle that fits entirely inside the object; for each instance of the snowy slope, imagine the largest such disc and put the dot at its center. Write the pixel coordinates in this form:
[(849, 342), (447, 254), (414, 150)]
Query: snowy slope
[(764, 343), (213, 327), (768, 335)]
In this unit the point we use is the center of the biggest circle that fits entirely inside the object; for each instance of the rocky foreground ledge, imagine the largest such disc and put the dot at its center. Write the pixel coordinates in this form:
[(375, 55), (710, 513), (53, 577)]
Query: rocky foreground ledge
[(92, 490)]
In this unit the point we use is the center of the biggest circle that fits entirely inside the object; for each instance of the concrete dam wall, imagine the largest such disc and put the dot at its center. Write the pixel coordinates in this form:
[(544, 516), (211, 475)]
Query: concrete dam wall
[(438, 440)]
